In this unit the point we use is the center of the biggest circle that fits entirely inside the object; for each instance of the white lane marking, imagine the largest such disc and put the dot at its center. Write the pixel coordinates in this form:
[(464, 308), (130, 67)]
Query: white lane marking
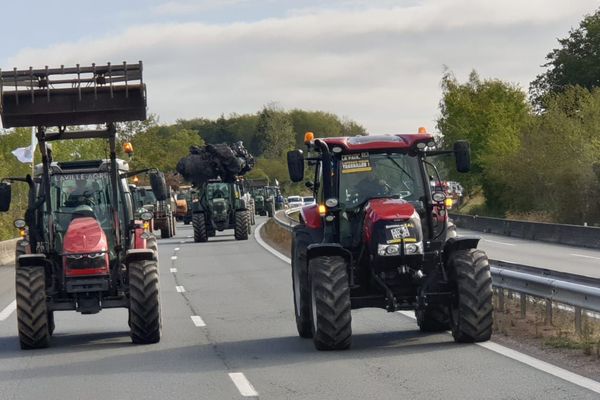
[(173, 270), (180, 289), (243, 384), (540, 365), (182, 241), (176, 249), (270, 249), (197, 320), (9, 309), (584, 256), (173, 258), (497, 242), (189, 236)]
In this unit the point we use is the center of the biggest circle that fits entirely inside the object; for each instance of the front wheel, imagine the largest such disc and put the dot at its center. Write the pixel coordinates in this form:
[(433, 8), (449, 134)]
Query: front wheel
[(199, 224), (330, 303), (32, 312), (144, 302), (471, 312), (300, 284), (242, 225)]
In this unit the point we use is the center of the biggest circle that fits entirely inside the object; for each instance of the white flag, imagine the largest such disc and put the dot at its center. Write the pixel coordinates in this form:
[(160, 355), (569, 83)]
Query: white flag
[(24, 154)]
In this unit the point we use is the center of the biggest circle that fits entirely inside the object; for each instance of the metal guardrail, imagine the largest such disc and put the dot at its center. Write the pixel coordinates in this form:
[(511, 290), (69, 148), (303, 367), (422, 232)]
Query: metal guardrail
[(577, 291), (572, 235)]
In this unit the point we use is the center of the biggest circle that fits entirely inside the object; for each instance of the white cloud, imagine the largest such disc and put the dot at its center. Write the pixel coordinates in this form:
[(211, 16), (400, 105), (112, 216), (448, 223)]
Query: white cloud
[(380, 66), (187, 7)]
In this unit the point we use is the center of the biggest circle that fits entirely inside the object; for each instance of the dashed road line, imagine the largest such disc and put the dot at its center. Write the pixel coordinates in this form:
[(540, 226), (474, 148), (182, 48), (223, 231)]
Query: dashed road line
[(173, 270), (173, 258), (198, 321), (180, 289), (243, 385), (176, 249), (584, 256), (9, 309)]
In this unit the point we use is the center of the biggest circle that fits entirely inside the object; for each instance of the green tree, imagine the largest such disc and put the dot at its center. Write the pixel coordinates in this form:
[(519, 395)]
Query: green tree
[(575, 62), (274, 133), (490, 114)]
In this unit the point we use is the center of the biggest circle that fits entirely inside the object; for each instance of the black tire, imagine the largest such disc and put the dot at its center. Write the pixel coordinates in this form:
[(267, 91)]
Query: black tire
[(32, 311), (20, 249), (153, 245), (165, 232), (270, 210), (434, 318), (330, 303), (242, 225), (144, 302), (472, 311), (252, 213), (300, 283), (199, 224), (51, 325)]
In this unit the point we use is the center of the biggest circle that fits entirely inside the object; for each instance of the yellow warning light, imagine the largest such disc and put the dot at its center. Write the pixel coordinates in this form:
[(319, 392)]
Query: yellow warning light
[(128, 148), (308, 137), (422, 130), (322, 209), (448, 202), (136, 179)]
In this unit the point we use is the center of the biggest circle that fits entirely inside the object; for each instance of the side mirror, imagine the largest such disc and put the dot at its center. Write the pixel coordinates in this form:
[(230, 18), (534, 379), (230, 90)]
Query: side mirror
[(5, 196), (159, 186), (295, 160), (462, 153)]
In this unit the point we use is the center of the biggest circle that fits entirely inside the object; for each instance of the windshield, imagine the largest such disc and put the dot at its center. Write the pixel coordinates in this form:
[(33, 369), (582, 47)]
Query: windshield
[(217, 191), (364, 176), (75, 193), (147, 196), (294, 198)]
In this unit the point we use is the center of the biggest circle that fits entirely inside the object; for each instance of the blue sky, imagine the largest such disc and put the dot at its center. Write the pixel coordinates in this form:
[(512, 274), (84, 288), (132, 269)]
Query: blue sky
[(378, 62)]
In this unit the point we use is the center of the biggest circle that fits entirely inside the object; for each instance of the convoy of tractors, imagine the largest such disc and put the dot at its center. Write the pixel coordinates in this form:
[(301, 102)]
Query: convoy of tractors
[(374, 233)]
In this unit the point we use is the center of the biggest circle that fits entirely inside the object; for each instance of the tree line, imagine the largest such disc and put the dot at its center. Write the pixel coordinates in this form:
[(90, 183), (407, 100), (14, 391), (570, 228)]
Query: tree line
[(534, 154)]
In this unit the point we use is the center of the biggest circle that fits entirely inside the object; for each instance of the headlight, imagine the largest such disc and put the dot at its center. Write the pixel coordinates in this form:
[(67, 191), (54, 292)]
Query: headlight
[(394, 249), (333, 202)]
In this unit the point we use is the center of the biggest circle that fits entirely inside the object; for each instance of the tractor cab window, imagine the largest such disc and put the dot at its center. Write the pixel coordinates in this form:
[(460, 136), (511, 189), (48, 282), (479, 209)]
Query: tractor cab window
[(217, 191), (147, 196), (366, 176), (73, 192)]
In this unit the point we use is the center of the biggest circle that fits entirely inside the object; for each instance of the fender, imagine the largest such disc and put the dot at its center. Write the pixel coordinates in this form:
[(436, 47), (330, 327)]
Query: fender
[(459, 243), (31, 260), (311, 217), (328, 249), (140, 242), (139, 255)]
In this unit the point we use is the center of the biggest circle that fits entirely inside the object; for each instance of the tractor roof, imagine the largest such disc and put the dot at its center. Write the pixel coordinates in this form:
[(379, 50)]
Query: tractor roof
[(377, 142), (60, 167)]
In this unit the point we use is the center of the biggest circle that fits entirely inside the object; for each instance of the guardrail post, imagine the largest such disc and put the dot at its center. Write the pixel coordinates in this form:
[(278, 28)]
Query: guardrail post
[(501, 299), (548, 312), (523, 305), (578, 320)]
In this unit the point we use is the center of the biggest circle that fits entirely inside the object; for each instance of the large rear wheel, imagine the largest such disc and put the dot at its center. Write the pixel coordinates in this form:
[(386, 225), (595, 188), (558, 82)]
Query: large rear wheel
[(32, 311), (144, 302), (330, 303), (199, 225), (471, 312)]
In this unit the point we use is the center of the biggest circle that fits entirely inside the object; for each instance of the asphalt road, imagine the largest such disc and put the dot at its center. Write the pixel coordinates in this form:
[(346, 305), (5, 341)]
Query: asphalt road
[(575, 260), (243, 295)]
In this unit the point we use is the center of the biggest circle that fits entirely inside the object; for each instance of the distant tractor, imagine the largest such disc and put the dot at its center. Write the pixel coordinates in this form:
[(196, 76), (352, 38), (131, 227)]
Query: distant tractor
[(218, 206), (84, 249), (378, 237), (164, 218)]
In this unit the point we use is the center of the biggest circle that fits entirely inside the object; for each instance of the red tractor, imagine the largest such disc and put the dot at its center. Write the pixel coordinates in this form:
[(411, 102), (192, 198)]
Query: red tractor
[(378, 237), (84, 250)]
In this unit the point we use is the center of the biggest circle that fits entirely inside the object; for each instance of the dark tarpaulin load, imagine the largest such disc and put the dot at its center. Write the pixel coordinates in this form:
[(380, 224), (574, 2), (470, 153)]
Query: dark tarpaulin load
[(215, 161)]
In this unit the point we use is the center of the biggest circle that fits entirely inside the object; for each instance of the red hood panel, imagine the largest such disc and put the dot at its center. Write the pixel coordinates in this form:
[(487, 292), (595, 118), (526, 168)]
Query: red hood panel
[(84, 235), (387, 210)]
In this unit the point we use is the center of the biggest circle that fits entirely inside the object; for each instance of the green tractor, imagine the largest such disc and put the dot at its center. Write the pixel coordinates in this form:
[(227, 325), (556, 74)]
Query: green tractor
[(264, 201), (217, 206)]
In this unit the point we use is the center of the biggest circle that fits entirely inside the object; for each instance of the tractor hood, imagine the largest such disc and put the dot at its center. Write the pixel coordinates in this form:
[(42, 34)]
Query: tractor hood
[(84, 235), (393, 210)]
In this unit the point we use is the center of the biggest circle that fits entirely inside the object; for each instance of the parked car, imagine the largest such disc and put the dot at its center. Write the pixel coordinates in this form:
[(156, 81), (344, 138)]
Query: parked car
[(295, 201), (308, 201)]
